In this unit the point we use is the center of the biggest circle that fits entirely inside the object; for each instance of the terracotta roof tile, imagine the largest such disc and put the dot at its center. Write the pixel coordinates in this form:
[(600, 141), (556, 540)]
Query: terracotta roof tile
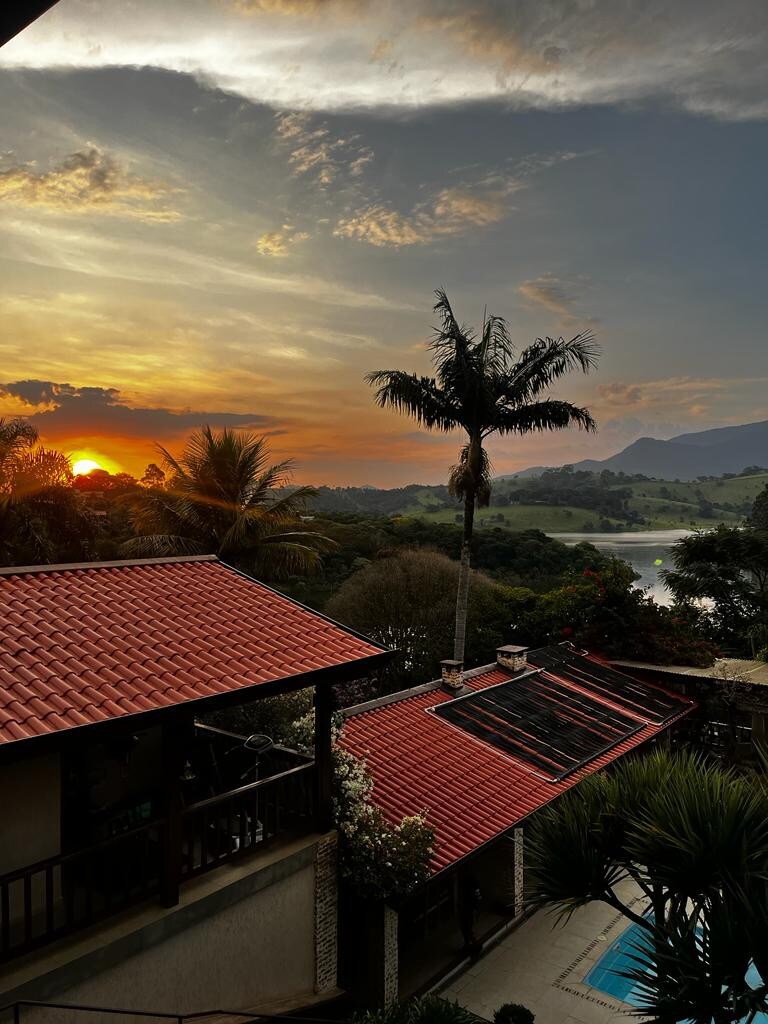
[(471, 791), (80, 645)]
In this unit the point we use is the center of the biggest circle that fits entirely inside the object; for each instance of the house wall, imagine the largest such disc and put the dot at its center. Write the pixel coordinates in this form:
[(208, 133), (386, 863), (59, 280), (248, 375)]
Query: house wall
[(240, 939), (30, 798)]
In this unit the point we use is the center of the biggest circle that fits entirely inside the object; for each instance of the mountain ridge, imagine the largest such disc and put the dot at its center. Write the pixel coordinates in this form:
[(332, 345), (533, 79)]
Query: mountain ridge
[(688, 456)]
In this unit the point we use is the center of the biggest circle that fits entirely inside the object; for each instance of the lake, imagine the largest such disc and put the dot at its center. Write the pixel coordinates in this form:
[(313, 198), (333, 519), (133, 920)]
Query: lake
[(647, 552)]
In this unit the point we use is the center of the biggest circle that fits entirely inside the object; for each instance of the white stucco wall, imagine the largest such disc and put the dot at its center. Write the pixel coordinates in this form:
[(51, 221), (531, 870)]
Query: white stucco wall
[(30, 799), (258, 950)]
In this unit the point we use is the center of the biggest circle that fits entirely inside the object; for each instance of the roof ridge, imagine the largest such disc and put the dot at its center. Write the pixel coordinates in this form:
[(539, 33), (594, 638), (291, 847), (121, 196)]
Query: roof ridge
[(413, 691), (120, 563)]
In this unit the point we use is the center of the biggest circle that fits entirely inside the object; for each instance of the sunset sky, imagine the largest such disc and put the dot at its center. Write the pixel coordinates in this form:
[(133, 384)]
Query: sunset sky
[(227, 211)]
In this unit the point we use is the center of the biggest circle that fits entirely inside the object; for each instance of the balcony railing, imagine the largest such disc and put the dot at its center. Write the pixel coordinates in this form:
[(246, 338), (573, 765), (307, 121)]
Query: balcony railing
[(227, 826), (63, 894)]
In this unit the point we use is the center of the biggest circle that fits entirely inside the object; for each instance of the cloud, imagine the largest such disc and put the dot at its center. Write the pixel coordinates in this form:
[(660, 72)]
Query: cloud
[(296, 8), (277, 243), (64, 410), (315, 153), (88, 181), (84, 252), (682, 396), (703, 56), (554, 294), (621, 394), (453, 211)]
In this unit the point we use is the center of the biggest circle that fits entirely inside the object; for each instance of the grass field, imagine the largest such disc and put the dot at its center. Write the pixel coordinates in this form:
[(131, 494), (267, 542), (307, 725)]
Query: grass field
[(549, 518), (664, 505)]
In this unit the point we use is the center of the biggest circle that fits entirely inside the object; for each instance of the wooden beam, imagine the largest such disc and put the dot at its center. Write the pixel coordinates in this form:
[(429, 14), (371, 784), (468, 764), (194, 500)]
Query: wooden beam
[(17, 14), (177, 730), (323, 758)]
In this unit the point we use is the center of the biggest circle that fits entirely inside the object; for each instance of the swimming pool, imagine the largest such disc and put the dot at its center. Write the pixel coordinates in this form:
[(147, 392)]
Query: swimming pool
[(618, 957)]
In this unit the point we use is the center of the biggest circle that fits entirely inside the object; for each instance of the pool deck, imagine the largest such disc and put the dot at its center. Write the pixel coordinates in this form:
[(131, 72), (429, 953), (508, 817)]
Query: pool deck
[(542, 965)]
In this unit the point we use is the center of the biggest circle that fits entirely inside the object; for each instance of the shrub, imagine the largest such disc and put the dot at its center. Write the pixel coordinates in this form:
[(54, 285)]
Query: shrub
[(426, 1010), (377, 858), (513, 1013)]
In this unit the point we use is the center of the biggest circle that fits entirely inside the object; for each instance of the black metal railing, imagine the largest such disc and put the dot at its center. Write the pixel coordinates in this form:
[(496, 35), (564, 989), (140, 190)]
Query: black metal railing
[(15, 1011), (42, 902), (227, 826)]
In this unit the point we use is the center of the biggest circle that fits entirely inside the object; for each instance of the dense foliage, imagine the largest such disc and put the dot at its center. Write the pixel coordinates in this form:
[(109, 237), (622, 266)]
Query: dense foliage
[(406, 601), (42, 518), (423, 1010), (693, 838), (604, 612), (728, 568), (377, 858)]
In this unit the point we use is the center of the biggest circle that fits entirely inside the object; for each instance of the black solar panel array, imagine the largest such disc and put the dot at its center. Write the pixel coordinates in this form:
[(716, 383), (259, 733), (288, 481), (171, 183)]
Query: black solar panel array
[(552, 727), (640, 698)]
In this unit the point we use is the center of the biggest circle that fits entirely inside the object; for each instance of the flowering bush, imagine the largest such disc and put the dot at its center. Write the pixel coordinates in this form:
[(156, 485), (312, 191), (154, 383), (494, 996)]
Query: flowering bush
[(377, 858)]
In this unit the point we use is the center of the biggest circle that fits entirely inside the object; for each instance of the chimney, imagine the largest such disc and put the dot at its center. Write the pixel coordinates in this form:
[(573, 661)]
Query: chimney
[(512, 657), (453, 676)]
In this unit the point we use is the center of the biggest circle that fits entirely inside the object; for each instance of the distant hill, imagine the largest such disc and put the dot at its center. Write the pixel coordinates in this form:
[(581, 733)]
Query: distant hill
[(685, 457)]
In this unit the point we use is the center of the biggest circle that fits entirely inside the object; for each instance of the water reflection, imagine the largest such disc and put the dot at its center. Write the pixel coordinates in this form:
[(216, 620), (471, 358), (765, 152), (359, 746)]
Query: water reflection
[(647, 552)]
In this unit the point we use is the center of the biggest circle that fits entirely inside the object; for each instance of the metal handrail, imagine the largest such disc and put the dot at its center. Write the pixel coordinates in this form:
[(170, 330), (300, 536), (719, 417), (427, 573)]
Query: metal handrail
[(247, 1018), (250, 787)]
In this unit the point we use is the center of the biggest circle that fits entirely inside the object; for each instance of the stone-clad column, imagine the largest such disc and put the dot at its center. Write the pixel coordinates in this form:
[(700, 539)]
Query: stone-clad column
[(326, 914), (519, 842)]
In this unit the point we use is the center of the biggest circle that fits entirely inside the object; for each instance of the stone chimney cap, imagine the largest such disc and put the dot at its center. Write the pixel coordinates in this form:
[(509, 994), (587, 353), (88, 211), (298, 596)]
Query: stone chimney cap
[(512, 649), (452, 676)]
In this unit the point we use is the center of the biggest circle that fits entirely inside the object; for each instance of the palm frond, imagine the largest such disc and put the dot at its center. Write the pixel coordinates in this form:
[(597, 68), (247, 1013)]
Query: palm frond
[(551, 414), (418, 397), (163, 545), (545, 362)]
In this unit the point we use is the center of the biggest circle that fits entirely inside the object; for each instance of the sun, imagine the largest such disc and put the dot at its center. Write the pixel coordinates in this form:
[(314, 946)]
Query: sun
[(84, 466)]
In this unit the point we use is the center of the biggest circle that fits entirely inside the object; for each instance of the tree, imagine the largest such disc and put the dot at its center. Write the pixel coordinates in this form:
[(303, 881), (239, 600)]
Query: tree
[(153, 476), (758, 517), (480, 389), (16, 437), (42, 519), (225, 498), (406, 602), (693, 837), (603, 610), (727, 567)]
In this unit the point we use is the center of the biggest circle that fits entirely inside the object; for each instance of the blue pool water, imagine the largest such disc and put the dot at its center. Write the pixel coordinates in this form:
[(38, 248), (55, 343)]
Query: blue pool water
[(618, 957)]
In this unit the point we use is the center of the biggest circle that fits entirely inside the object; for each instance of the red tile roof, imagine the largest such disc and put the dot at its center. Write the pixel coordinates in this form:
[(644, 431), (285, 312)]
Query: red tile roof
[(80, 645), (471, 791)]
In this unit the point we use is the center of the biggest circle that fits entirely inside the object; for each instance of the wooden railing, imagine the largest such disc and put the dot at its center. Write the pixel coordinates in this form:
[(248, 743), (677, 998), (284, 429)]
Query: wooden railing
[(42, 901), (54, 897), (227, 826)]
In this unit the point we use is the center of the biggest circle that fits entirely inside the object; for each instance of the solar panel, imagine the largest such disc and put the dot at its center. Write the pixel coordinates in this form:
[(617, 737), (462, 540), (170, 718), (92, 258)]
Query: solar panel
[(541, 721), (639, 698)]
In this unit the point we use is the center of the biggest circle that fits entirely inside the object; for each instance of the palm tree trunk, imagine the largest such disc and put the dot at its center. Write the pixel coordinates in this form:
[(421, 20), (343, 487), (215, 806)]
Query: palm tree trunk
[(462, 595)]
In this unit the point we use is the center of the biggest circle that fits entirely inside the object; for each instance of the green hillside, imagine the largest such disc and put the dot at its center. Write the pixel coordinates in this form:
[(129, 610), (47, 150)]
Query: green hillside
[(569, 502)]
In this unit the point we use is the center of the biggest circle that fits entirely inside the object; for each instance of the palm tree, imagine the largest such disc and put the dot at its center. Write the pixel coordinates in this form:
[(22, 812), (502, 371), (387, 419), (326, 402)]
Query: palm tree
[(42, 519), (693, 838), (16, 437), (480, 387), (224, 497)]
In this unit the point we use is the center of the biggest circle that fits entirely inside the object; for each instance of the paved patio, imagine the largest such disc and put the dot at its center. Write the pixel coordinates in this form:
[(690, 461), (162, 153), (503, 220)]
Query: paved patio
[(542, 965)]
